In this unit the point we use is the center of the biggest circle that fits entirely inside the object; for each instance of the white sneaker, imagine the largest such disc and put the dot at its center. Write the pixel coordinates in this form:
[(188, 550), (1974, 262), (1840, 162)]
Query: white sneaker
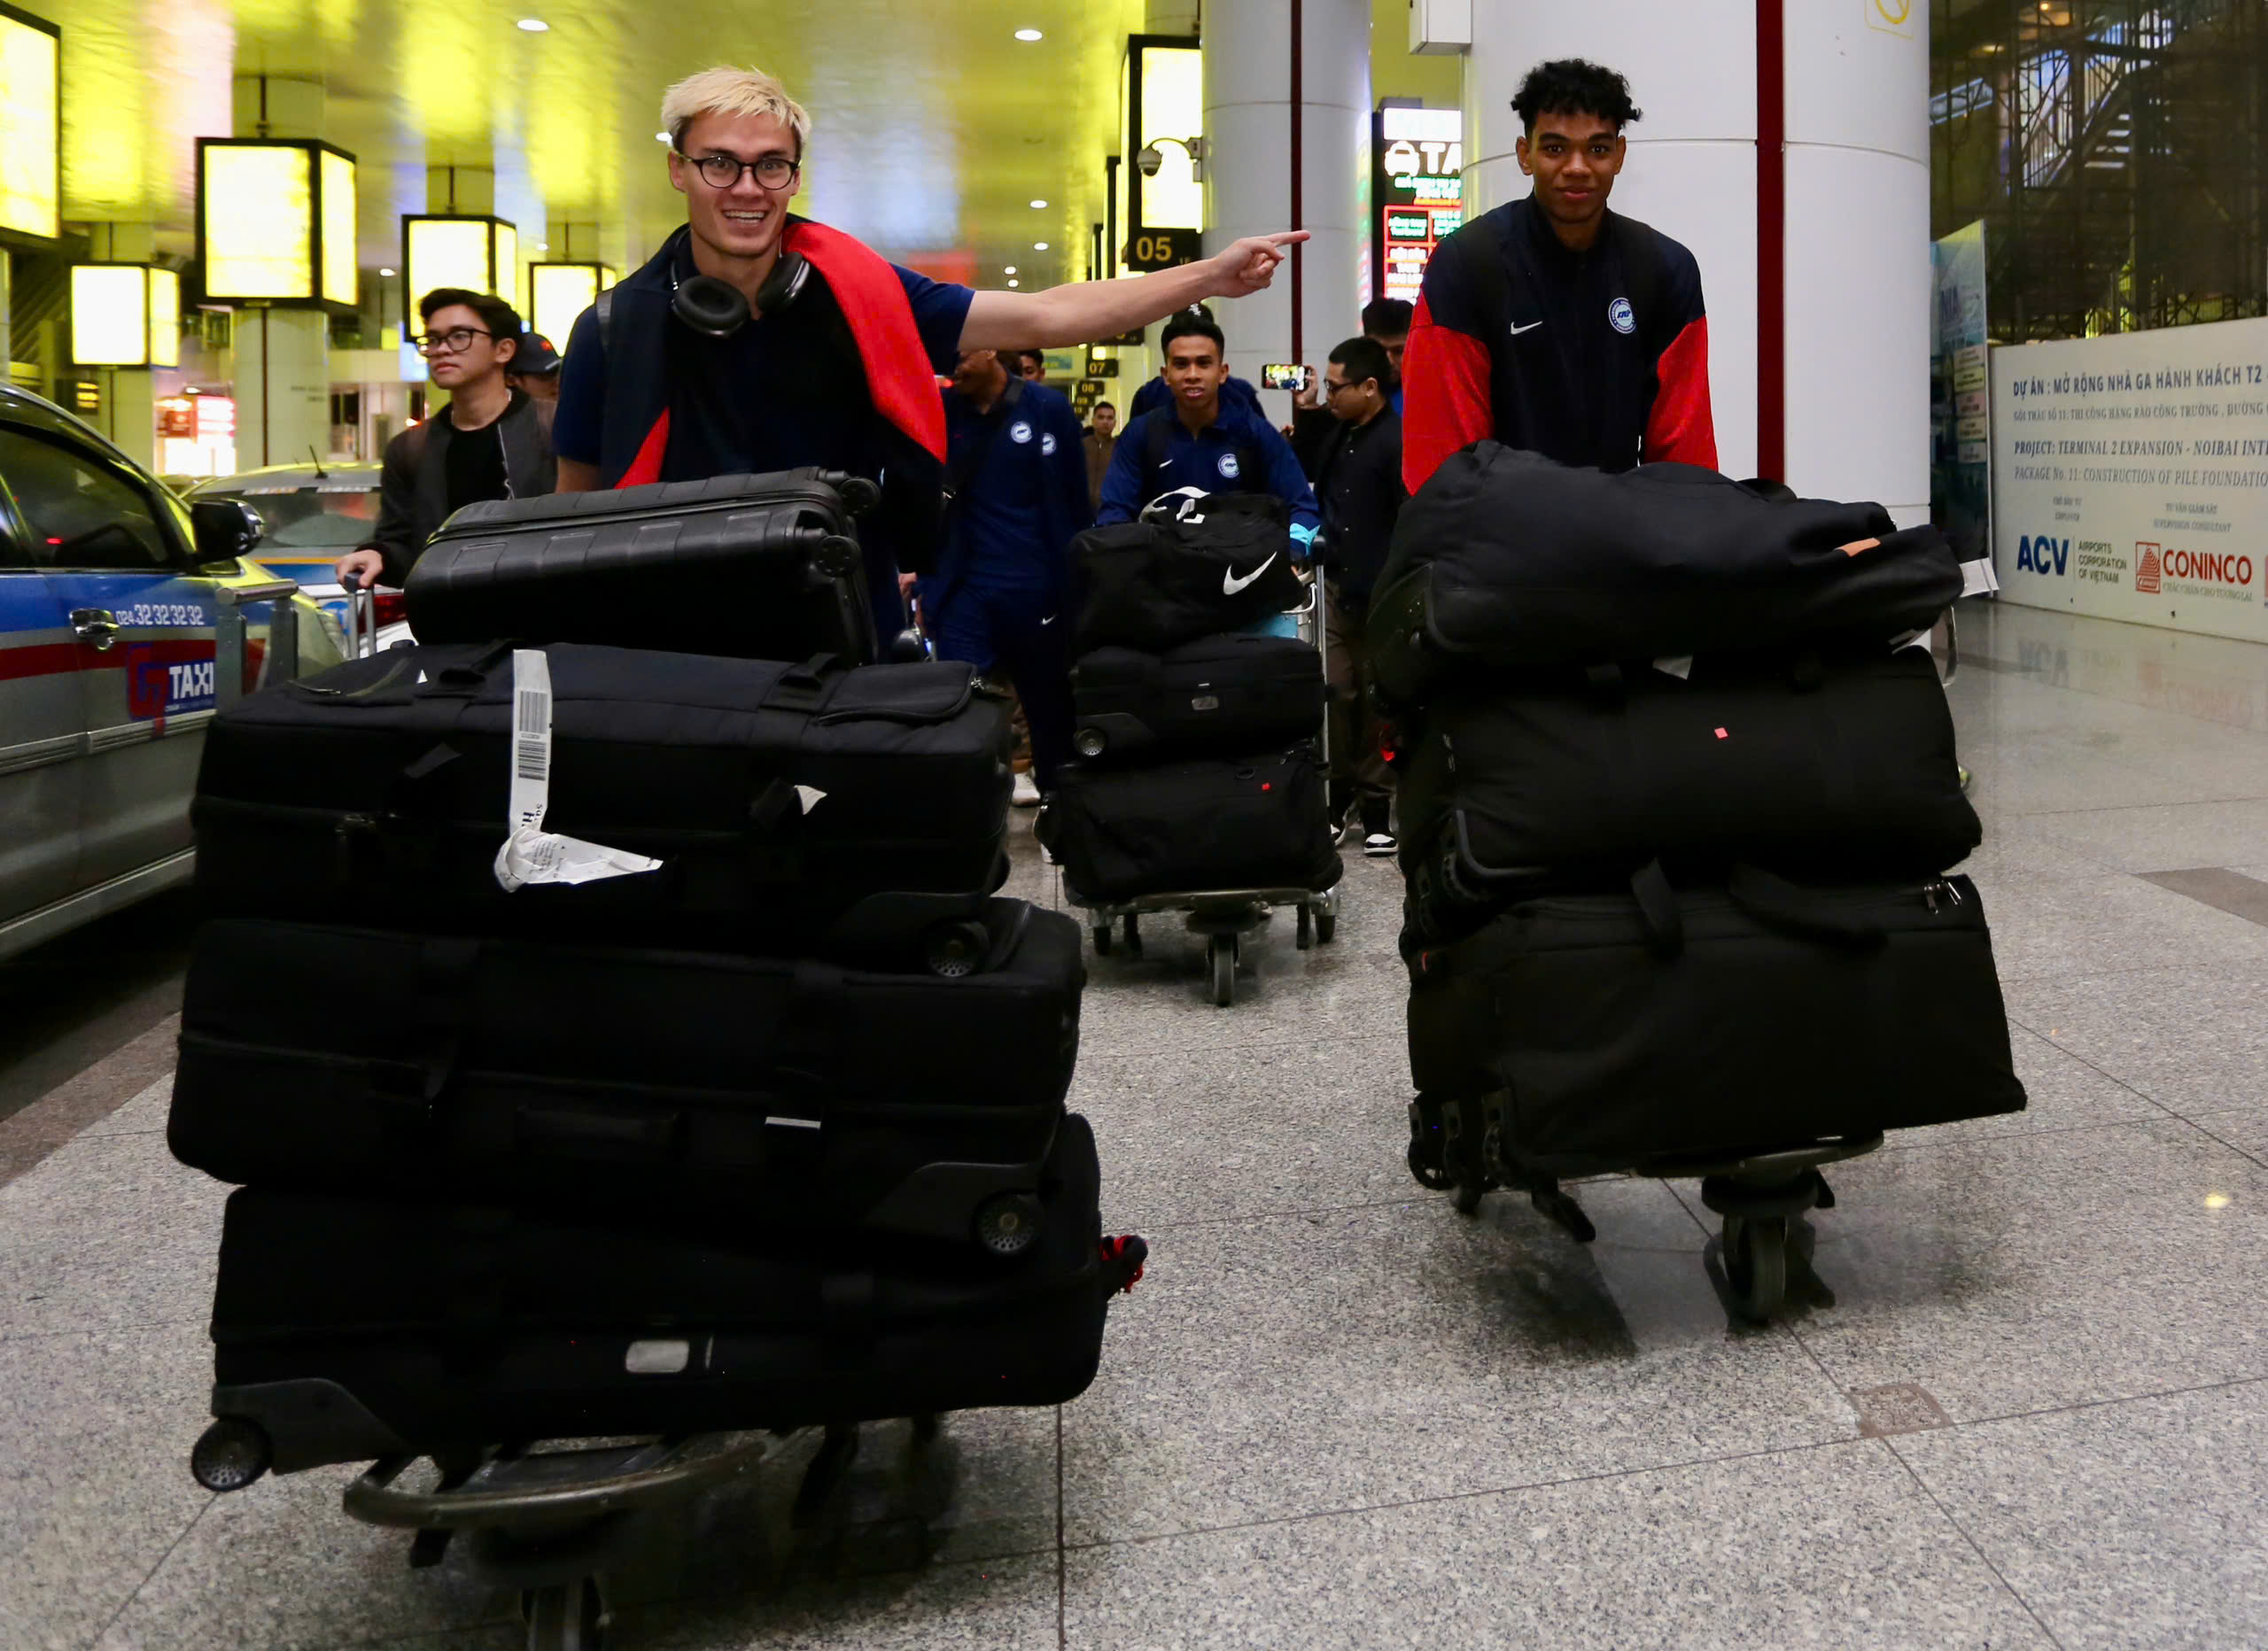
[(1377, 845), (1027, 792)]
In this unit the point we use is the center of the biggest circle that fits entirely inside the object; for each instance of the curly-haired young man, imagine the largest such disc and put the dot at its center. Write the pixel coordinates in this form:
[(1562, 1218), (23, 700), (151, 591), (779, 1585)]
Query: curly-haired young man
[(1553, 324)]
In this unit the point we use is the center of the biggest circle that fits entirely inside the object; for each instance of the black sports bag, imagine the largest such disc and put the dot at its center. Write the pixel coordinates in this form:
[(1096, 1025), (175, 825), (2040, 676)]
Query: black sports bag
[(347, 1329), (1217, 695), (1626, 1027), (757, 566), (791, 806), (1215, 823), (1155, 584), (1820, 765), (692, 1089), (1505, 561)]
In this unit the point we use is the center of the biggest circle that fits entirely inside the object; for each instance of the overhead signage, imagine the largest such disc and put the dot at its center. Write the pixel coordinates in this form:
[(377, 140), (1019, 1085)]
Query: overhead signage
[(1163, 249), (1418, 186)]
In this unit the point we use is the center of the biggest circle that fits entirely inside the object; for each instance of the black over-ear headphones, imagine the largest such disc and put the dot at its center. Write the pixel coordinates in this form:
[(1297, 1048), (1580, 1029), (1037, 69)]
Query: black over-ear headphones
[(716, 309)]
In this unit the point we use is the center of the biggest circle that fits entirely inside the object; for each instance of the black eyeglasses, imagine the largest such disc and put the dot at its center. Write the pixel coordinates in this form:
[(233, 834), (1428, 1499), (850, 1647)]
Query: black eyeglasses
[(722, 172), (1330, 389), (449, 342)]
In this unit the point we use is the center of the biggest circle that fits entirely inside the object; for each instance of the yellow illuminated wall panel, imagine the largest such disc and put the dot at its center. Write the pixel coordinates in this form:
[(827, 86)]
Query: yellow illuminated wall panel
[(110, 315), (165, 318), (30, 176), (339, 273), (258, 222), (1173, 106), (557, 293)]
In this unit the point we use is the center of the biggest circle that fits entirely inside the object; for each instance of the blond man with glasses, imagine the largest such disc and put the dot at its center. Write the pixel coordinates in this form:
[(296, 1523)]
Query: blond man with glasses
[(490, 441)]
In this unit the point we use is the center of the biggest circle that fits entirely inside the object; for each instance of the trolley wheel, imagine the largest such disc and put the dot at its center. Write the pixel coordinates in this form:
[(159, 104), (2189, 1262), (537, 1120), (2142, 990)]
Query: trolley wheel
[(1102, 939), (565, 1617), (1429, 1172), (1223, 955), (1469, 1194), (1756, 1264), (1327, 927), (1133, 935), (230, 1454), (1303, 936)]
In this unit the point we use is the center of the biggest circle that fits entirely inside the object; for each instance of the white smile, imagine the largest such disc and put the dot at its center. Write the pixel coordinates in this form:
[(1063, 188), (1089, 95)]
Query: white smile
[(747, 217)]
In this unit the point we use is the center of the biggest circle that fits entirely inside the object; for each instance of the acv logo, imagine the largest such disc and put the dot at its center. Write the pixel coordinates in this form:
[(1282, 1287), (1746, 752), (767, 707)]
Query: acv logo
[(2042, 554)]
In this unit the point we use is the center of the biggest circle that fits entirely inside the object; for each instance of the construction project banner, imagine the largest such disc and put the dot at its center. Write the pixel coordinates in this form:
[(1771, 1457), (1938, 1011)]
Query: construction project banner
[(2130, 477)]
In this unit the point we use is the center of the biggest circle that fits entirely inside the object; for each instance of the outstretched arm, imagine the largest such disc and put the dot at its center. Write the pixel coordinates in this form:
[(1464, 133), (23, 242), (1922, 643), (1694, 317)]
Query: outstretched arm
[(1083, 311)]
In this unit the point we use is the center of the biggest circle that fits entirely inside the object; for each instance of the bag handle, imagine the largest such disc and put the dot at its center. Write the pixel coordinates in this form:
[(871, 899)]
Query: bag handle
[(1778, 904)]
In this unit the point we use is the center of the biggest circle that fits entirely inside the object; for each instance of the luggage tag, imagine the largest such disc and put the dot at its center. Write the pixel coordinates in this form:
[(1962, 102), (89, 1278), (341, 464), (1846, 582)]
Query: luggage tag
[(530, 853)]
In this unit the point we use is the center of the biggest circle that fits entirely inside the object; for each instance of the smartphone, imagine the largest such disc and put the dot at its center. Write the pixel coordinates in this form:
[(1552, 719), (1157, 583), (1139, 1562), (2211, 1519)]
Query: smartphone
[(1283, 375)]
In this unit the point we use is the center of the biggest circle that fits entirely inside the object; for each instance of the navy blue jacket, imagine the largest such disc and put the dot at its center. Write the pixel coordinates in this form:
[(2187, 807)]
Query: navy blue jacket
[(1212, 461), (1032, 459)]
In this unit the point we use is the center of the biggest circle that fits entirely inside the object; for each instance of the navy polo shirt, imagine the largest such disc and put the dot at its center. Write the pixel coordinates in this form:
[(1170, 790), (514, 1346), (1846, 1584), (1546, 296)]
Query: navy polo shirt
[(1210, 460)]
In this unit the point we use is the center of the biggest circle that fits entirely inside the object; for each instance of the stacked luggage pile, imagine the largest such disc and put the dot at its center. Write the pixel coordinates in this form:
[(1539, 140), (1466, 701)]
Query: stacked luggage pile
[(627, 1039), (1198, 781), (1678, 797)]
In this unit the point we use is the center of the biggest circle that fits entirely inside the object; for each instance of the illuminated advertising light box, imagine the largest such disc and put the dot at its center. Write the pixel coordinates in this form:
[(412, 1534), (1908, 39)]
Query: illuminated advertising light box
[(559, 292), (1163, 102), (275, 221), (1418, 185), (125, 316), (31, 125), (468, 250)]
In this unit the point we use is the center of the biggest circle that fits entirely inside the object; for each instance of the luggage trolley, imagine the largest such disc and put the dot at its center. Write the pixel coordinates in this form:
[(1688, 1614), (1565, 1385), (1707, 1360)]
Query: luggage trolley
[(1225, 916)]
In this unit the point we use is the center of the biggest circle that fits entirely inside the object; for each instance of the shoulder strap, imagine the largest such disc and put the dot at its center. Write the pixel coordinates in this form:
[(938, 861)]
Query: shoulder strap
[(960, 476)]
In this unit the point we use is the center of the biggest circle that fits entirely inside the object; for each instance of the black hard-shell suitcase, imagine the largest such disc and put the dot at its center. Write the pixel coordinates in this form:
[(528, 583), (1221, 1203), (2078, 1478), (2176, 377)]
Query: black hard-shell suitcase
[(1217, 695), (1215, 823), (1758, 1014), (696, 1088), (757, 566), (793, 807), (1155, 584), (350, 1328), (1505, 562), (1817, 765)]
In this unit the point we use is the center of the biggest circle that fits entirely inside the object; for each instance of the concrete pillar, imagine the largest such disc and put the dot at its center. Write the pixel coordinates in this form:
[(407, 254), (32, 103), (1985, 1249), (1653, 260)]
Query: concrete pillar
[(283, 356), (1171, 17), (1248, 122), (1849, 87), (461, 189)]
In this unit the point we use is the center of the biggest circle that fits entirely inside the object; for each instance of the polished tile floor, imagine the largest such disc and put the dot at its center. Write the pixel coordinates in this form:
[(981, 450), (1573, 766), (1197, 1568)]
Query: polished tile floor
[(2026, 1403)]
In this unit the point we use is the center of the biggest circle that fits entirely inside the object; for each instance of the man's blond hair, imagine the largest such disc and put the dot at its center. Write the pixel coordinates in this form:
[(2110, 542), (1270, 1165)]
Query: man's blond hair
[(725, 90)]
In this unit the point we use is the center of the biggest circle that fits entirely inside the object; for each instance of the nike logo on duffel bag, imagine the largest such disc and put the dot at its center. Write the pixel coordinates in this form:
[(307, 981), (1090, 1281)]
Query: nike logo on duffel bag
[(1230, 585)]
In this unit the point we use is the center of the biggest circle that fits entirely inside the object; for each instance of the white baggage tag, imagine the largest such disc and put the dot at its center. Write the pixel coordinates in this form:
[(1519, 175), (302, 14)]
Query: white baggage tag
[(530, 853), (1681, 667), (1976, 579)]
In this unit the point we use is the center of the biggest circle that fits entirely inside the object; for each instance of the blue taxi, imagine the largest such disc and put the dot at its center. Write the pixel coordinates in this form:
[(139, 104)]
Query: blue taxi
[(110, 591)]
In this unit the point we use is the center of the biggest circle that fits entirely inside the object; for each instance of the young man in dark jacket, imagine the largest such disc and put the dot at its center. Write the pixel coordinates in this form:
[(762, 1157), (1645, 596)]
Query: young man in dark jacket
[(490, 441), (1359, 482), (1552, 324)]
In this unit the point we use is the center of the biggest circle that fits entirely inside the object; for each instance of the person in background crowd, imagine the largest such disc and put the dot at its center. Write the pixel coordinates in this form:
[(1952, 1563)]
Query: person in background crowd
[(1019, 496), (834, 365), (1101, 442), (1552, 324), (1031, 365), (1204, 439), (535, 367), (490, 441), (1360, 485), (1385, 322), (1156, 392)]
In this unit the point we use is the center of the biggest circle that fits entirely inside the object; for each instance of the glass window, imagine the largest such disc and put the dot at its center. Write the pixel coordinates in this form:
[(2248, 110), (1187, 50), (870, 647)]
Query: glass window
[(79, 511), (310, 519)]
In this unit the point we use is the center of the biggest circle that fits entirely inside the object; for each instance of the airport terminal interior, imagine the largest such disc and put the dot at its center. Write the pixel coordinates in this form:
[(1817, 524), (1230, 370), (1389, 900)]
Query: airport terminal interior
[(2007, 1385)]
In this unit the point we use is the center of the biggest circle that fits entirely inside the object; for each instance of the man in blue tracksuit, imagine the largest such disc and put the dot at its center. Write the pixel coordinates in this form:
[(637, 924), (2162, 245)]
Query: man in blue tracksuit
[(1017, 473), (1203, 438)]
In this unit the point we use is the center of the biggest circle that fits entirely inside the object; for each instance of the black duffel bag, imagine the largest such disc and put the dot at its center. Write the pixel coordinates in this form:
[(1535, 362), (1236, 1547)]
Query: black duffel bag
[(1215, 823), (1217, 695), (1833, 765), (1626, 1027), (1505, 561), (1155, 584)]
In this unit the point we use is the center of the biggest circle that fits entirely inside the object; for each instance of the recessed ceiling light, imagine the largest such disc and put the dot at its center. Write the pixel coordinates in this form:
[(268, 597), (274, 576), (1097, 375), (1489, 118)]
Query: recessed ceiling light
[(661, 138), (535, 25), (385, 272), (543, 246), (1028, 34), (1013, 282), (1010, 270), (1039, 246), (1037, 205)]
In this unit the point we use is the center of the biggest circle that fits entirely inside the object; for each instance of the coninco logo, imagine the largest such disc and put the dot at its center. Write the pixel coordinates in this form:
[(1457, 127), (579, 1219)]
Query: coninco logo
[(2147, 569), (2042, 554), (2203, 567)]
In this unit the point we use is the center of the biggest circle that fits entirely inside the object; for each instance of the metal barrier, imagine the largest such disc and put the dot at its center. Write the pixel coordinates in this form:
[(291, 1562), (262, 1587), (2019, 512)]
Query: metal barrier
[(283, 659)]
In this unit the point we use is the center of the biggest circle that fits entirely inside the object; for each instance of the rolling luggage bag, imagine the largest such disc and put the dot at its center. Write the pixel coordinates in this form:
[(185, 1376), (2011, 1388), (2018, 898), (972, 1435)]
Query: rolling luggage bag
[(348, 1329), (1630, 1026), (1154, 585), (756, 567), (1217, 695), (859, 812), (699, 1090), (1506, 563), (1217, 823), (1820, 765)]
